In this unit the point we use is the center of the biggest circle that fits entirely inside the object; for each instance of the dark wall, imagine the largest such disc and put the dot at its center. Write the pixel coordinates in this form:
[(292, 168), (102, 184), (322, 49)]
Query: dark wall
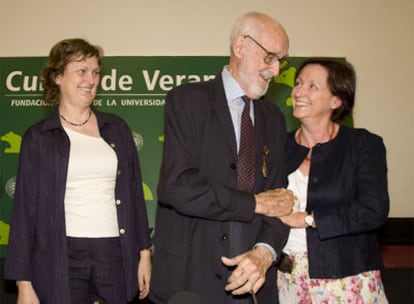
[(8, 289), (397, 246)]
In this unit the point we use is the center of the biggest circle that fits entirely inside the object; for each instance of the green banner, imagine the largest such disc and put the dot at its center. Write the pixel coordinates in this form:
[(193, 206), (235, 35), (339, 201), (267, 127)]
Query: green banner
[(132, 87)]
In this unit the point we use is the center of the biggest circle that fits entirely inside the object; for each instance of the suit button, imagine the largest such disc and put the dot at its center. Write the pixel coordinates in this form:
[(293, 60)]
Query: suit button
[(233, 166), (118, 202), (118, 172), (314, 180), (122, 231), (224, 237), (219, 276)]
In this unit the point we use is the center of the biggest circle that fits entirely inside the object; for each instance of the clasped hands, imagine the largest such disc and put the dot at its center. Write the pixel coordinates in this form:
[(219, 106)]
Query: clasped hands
[(276, 202)]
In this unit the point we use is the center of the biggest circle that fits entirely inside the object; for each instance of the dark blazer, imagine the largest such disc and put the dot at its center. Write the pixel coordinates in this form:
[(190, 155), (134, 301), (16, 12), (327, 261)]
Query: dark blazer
[(198, 199), (37, 249), (348, 193)]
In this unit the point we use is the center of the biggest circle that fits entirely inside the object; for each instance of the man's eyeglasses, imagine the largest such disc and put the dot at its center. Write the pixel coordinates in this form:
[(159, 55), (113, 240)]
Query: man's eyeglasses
[(270, 57)]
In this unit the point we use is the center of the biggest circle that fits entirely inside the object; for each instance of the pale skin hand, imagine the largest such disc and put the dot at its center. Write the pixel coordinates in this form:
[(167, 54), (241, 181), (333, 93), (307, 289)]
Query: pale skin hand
[(250, 272), (26, 293), (144, 273), (275, 202), (296, 220)]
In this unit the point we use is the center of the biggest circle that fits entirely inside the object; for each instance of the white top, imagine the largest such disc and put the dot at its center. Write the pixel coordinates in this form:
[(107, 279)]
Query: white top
[(298, 183), (90, 209)]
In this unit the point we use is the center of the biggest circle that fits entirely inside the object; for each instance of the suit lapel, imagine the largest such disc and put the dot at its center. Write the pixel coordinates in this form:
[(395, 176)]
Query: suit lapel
[(219, 103), (260, 132)]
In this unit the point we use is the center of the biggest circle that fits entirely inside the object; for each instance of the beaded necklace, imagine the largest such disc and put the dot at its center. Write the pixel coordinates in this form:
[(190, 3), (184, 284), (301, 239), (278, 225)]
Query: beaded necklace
[(77, 124)]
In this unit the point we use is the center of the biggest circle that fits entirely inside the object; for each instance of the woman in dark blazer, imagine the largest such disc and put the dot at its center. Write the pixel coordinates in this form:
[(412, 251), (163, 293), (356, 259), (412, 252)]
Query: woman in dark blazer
[(79, 230), (339, 176)]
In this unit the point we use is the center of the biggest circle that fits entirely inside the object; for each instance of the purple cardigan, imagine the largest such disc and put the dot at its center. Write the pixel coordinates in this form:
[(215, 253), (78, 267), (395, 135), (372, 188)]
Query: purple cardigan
[(37, 249)]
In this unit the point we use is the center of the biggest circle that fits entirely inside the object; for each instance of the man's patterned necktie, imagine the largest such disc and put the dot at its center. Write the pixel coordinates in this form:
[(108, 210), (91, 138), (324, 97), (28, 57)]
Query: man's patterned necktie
[(246, 158)]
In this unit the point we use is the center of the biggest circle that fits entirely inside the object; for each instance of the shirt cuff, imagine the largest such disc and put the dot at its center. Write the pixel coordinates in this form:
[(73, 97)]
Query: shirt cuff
[(274, 254)]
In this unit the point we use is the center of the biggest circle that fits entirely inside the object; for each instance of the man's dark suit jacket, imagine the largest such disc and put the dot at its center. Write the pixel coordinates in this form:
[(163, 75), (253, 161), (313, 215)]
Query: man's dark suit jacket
[(198, 199)]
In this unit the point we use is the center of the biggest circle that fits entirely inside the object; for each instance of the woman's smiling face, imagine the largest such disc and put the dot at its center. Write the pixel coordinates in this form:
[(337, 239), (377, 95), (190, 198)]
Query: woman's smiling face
[(311, 95), (79, 81)]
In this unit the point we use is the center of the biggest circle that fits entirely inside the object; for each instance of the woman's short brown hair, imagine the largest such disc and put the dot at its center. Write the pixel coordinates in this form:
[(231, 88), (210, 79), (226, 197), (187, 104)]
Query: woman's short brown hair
[(341, 82), (60, 55)]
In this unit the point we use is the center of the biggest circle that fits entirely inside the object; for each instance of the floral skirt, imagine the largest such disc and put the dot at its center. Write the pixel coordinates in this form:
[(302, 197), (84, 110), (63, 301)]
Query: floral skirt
[(298, 288)]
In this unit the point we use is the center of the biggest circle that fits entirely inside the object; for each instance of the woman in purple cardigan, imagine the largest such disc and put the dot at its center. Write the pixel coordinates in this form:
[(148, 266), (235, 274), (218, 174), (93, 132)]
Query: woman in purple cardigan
[(79, 230), (339, 176)]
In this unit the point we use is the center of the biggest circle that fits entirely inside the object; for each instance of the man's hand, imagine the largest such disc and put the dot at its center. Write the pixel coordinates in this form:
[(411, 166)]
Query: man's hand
[(250, 272), (276, 202)]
